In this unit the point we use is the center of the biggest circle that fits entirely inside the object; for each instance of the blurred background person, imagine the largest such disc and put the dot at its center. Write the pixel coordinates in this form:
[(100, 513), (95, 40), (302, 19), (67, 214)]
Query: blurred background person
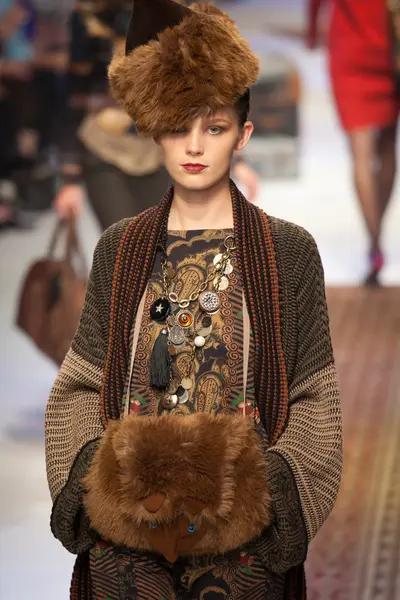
[(32, 68), (101, 153), (17, 29), (362, 69)]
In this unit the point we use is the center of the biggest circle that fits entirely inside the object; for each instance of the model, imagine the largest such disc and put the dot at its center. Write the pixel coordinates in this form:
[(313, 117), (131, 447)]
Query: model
[(193, 434), (103, 157)]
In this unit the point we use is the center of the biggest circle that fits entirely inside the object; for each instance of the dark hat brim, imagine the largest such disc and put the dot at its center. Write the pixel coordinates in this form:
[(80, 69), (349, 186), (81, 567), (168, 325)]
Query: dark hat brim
[(201, 64), (149, 18)]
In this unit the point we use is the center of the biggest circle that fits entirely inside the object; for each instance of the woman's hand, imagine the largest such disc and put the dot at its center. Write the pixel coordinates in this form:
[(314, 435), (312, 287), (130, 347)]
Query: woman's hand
[(69, 201)]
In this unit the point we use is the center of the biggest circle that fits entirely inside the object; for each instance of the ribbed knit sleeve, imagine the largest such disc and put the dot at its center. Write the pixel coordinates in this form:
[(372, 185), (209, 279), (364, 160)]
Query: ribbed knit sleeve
[(73, 425), (305, 464)]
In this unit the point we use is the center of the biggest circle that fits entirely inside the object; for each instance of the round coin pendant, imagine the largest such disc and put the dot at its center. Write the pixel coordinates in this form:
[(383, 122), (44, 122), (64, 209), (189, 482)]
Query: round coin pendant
[(217, 259), (160, 310), (228, 268), (176, 335), (222, 285), (185, 319), (169, 401), (209, 302), (187, 383), (171, 273), (184, 397), (205, 332)]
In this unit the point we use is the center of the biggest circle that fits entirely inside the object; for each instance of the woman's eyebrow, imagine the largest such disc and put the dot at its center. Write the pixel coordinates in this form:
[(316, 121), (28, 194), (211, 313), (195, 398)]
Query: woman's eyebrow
[(216, 118)]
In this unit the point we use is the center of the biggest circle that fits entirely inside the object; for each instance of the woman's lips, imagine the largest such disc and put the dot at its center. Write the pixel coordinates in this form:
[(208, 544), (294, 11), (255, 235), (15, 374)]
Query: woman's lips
[(194, 168)]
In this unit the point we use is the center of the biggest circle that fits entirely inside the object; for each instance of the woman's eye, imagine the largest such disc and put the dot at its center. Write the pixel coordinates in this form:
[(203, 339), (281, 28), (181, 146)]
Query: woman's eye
[(215, 130)]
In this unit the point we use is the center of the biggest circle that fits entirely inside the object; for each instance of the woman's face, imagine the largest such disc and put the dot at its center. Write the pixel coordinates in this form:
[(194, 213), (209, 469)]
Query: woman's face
[(199, 156)]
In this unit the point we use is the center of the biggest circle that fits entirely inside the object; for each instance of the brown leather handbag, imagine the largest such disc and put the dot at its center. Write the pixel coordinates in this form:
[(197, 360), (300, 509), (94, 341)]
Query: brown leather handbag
[(53, 294)]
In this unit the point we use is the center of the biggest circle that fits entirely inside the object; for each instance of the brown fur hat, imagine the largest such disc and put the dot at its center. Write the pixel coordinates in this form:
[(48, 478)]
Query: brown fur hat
[(197, 66), (208, 470)]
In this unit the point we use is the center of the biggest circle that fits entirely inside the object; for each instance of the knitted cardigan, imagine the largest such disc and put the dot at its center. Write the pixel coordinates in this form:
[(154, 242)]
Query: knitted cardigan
[(304, 463)]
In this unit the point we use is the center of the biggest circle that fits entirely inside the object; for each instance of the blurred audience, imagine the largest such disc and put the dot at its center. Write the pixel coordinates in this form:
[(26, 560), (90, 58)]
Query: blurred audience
[(61, 134), (32, 70)]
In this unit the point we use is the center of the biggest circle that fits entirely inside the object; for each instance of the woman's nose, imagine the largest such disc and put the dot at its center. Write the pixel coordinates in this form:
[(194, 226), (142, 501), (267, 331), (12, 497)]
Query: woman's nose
[(195, 145)]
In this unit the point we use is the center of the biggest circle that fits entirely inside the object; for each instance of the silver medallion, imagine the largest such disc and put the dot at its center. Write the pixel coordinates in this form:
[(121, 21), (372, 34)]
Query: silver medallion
[(183, 398), (169, 401), (209, 302), (176, 335)]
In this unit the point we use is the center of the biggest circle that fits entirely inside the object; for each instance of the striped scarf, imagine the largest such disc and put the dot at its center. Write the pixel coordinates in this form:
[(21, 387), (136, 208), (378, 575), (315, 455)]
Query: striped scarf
[(257, 266)]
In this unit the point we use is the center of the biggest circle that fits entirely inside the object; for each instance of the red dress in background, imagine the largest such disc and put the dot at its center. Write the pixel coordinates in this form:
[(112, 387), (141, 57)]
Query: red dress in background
[(361, 62)]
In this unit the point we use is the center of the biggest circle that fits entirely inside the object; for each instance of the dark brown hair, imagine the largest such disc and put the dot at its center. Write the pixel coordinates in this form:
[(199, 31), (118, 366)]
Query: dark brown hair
[(242, 108)]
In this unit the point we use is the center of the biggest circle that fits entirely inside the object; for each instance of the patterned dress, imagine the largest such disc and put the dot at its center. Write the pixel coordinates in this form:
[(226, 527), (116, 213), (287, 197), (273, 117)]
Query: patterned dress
[(218, 376), (120, 573)]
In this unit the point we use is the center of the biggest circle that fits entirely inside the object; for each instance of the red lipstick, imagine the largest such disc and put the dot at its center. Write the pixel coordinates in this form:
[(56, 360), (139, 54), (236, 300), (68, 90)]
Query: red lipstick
[(194, 168)]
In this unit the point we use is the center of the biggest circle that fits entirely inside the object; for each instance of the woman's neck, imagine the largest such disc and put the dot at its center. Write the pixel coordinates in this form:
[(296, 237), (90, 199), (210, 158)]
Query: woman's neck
[(205, 209)]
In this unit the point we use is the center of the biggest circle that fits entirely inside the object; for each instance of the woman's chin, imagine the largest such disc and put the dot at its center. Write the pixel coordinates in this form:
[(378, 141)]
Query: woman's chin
[(197, 181)]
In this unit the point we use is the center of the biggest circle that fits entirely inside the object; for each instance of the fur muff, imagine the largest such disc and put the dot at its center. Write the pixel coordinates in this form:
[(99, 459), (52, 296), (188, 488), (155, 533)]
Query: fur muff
[(199, 66), (208, 471)]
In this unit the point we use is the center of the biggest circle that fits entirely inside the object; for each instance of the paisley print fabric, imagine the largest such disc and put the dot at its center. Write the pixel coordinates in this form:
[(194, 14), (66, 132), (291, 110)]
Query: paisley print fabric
[(218, 378)]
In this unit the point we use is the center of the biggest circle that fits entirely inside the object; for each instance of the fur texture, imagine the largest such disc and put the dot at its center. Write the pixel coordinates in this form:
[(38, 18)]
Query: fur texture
[(209, 471), (199, 66)]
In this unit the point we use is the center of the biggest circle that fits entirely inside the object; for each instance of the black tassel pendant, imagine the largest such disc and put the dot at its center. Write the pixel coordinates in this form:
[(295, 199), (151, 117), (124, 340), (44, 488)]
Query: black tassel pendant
[(160, 362)]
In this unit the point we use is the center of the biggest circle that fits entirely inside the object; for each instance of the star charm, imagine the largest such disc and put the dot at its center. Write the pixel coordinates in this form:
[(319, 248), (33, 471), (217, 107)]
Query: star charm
[(159, 308)]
